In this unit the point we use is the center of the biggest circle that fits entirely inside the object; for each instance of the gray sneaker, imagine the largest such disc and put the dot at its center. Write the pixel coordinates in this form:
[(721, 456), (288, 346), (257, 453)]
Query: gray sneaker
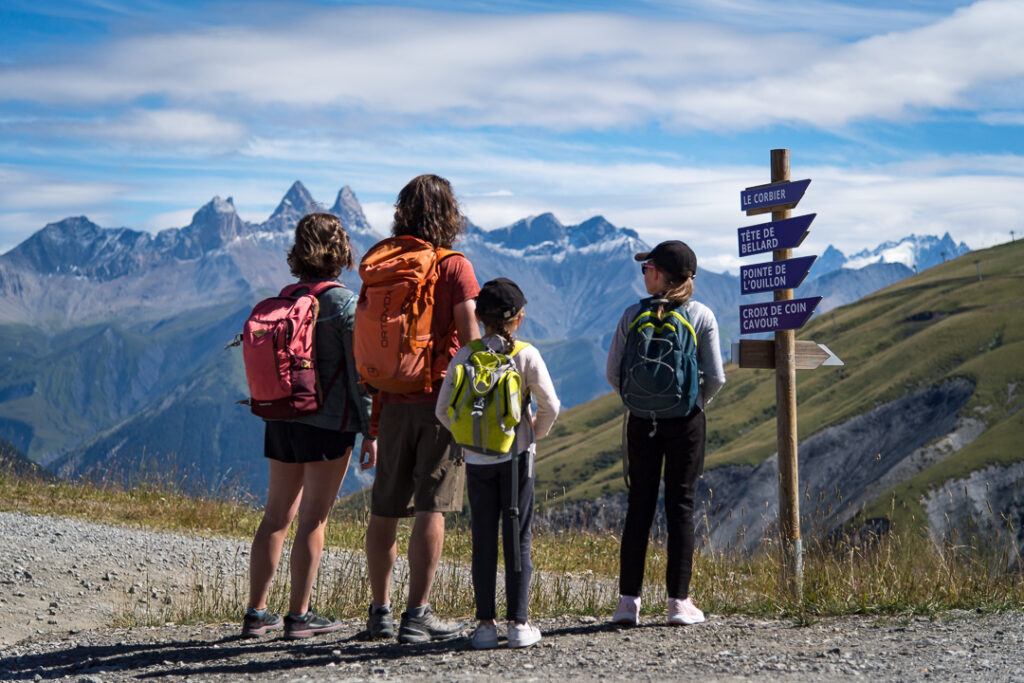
[(258, 623), (308, 624), (426, 628), (380, 623)]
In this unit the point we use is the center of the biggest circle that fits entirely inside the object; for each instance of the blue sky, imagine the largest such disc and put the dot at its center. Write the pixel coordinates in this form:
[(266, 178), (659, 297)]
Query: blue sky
[(908, 116)]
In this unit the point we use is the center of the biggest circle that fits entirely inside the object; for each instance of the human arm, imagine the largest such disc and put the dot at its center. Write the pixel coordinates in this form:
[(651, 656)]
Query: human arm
[(541, 387), (613, 366), (361, 399), (709, 353), (465, 321), (461, 288)]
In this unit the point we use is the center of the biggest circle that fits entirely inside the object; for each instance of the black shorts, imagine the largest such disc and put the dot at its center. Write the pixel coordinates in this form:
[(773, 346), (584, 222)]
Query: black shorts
[(296, 442)]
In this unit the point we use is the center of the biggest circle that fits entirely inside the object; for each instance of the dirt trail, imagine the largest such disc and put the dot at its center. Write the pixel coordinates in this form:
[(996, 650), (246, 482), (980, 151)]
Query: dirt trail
[(62, 581)]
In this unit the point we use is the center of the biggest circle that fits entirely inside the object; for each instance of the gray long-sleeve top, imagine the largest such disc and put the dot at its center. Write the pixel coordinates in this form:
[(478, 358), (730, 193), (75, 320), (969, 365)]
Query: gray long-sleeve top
[(346, 407), (709, 355)]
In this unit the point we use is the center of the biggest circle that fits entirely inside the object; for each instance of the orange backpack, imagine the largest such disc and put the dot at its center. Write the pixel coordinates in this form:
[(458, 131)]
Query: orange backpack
[(391, 340)]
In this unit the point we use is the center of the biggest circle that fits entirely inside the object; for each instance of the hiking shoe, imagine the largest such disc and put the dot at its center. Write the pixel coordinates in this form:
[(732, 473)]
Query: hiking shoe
[(426, 628), (682, 612), (628, 611), (309, 624), (522, 635), (380, 623), (485, 637), (257, 623)]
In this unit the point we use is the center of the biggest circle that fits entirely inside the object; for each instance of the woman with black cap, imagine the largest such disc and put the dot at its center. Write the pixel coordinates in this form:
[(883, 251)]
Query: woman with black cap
[(667, 326), (500, 307)]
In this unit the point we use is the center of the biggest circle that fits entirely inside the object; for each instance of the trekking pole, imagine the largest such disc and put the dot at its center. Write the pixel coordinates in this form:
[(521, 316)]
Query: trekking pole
[(513, 513)]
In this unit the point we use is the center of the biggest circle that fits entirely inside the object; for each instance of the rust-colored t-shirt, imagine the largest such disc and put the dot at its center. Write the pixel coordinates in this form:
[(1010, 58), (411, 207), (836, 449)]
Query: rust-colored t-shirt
[(456, 283)]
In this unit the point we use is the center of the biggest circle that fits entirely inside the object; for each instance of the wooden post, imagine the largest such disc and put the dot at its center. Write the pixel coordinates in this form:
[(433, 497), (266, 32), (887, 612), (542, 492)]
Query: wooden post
[(785, 399)]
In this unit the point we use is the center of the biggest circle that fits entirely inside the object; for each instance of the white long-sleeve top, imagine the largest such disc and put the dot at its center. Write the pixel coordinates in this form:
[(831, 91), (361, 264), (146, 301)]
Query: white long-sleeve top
[(709, 355), (532, 369)]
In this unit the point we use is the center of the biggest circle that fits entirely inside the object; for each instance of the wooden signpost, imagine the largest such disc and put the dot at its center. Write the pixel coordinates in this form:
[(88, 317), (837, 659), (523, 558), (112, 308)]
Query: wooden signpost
[(760, 353), (783, 316)]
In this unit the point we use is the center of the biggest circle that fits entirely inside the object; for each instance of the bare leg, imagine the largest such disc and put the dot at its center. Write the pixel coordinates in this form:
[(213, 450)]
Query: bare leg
[(321, 482), (425, 546), (283, 497), (381, 552)]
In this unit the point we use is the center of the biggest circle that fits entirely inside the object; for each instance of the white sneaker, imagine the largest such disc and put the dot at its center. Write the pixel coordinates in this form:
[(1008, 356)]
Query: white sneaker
[(682, 612), (628, 611), (522, 635), (485, 637)]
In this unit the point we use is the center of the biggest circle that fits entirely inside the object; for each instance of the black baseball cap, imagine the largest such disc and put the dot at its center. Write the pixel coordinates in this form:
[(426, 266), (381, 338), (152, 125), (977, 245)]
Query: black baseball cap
[(673, 257), (500, 298)]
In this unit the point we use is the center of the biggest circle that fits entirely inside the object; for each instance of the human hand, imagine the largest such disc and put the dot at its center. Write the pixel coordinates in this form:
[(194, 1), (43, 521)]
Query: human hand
[(368, 454)]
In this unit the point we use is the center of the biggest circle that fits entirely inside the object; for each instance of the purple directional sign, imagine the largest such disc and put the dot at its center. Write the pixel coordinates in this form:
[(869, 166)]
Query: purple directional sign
[(776, 315), (785, 234), (767, 277), (775, 194)]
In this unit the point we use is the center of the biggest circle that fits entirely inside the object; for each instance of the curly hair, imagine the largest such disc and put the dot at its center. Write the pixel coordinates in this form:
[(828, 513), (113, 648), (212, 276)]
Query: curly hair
[(321, 250), (427, 209)]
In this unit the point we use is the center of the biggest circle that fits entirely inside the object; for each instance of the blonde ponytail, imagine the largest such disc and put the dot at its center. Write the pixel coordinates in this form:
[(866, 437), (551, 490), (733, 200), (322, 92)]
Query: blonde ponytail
[(677, 294)]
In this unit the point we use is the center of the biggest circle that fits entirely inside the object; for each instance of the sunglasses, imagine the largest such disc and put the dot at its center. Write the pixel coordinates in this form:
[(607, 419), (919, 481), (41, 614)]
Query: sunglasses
[(644, 267)]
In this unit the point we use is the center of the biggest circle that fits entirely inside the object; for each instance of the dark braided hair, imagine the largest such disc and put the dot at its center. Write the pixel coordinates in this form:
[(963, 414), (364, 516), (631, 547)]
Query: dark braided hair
[(502, 327)]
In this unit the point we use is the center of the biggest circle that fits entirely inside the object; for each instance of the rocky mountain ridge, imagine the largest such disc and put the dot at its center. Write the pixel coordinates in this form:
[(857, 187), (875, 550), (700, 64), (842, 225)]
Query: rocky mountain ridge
[(116, 333)]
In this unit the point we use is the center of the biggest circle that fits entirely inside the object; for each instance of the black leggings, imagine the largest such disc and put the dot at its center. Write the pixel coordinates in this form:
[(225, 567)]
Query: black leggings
[(679, 442), (490, 493)]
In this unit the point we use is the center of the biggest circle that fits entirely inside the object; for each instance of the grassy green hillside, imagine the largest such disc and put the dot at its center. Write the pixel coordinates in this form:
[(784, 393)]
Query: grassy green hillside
[(940, 324)]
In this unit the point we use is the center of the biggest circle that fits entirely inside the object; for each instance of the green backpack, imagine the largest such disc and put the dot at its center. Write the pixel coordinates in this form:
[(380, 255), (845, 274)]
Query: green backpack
[(487, 400)]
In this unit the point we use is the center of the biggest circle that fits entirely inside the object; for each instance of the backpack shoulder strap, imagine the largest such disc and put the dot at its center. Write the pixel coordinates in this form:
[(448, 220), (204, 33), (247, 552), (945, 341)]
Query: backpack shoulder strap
[(647, 307), (682, 316), (319, 288), (517, 347), (443, 253), (476, 345), (314, 288)]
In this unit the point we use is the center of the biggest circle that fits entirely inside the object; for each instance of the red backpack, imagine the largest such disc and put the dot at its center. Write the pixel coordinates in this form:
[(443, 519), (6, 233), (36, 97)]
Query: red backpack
[(280, 354)]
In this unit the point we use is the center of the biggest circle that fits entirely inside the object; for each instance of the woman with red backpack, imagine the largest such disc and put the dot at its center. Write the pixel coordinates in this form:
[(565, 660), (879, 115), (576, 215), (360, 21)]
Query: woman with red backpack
[(309, 450)]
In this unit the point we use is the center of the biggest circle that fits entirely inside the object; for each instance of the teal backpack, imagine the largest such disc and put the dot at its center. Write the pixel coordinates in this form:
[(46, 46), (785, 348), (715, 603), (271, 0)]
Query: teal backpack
[(658, 376)]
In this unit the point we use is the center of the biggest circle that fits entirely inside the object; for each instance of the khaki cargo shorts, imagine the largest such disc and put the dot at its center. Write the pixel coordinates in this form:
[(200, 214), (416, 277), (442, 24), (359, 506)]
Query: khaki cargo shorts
[(417, 470)]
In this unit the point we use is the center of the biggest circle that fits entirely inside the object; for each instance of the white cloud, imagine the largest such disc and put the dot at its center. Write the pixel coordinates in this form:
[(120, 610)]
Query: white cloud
[(977, 198), (888, 76), (165, 127), (559, 71), (26, 190), (1003, 118), (167, 219), (380, 216)]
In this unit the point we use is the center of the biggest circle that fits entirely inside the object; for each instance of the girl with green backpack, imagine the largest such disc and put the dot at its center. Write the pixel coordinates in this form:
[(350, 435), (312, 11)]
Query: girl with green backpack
[(485, 402)]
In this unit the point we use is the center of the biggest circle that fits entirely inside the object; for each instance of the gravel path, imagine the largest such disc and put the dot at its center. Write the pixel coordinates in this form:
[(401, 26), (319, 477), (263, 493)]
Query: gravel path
[(62, 581)]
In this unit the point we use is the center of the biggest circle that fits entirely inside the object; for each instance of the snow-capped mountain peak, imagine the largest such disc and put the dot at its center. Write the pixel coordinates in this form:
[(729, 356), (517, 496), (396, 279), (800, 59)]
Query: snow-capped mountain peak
[(917, 252), (295, 204), (350, 212)]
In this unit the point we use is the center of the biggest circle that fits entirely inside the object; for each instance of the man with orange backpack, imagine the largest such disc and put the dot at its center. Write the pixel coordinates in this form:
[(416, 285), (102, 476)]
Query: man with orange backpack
[(415, 310)]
